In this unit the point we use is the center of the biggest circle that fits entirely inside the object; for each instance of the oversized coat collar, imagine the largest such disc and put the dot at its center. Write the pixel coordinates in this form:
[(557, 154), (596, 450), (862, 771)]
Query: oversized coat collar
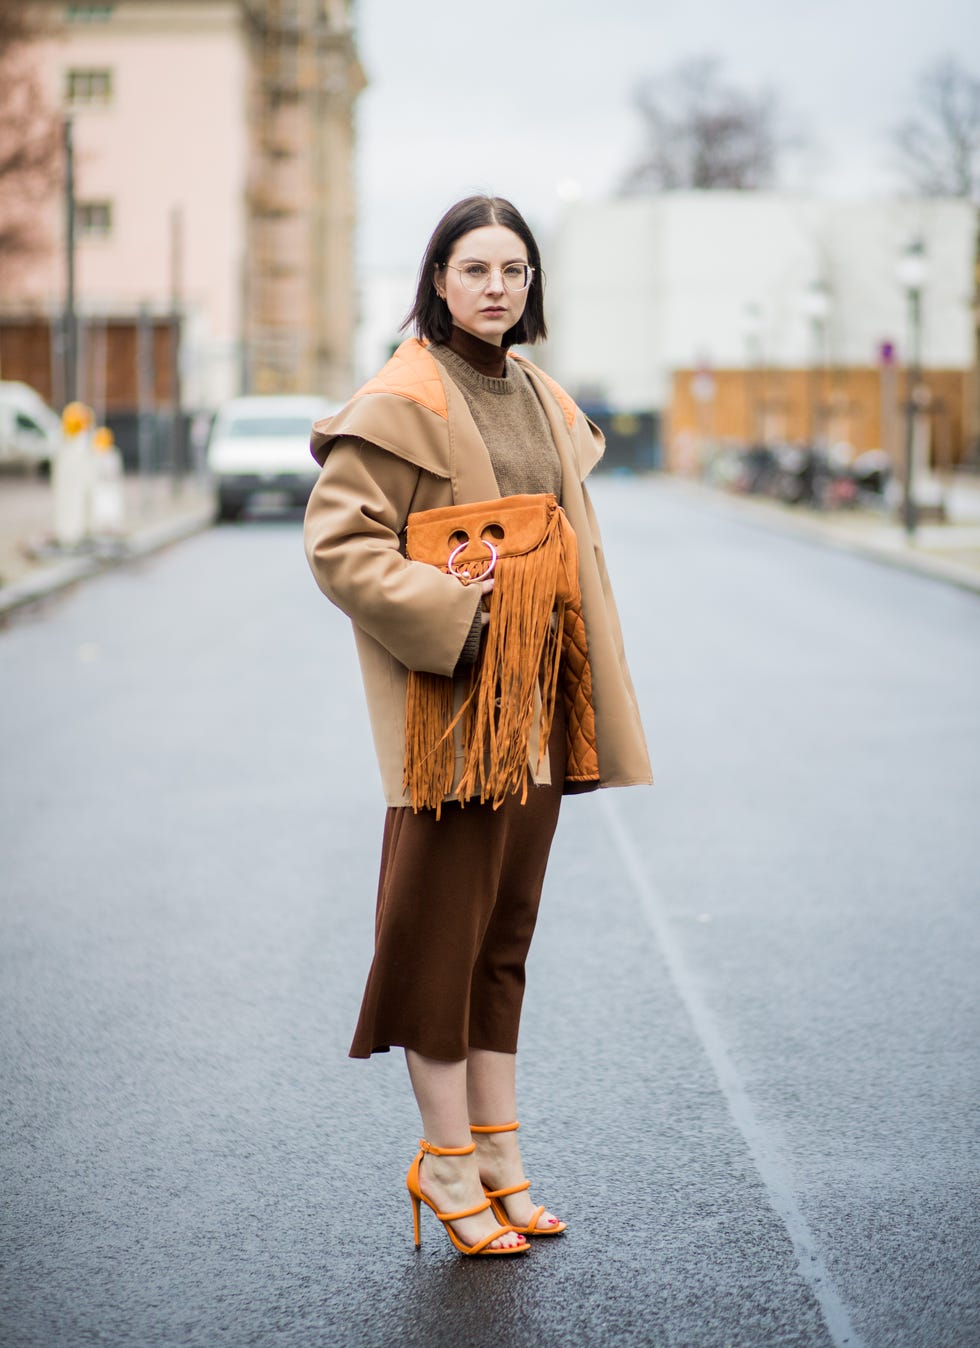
[(413, 409)]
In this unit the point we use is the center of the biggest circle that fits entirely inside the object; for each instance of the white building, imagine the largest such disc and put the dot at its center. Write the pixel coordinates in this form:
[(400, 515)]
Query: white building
[(642, 286), (386, 297)]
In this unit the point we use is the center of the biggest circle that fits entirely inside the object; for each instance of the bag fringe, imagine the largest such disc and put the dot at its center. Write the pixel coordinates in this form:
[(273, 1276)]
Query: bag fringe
[(522, 654)]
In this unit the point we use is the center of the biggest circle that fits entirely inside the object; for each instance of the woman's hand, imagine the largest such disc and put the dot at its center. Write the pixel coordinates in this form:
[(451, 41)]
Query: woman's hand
[(485, 587)]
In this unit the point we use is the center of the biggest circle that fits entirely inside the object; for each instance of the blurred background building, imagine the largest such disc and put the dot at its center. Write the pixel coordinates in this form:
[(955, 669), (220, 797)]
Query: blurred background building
[(696, 304), (764, 317), (213, 148)]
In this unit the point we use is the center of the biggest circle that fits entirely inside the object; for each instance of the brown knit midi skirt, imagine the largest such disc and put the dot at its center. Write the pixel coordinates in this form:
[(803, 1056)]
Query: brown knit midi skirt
[(457, 903)]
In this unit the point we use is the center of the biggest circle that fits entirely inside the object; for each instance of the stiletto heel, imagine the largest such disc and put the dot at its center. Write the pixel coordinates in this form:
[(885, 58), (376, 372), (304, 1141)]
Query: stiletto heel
[(497, 1196), (418, 1198)]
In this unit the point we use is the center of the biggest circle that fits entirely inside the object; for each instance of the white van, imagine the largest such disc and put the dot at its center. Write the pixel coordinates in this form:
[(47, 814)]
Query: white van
[(30, 433), (259, 451)]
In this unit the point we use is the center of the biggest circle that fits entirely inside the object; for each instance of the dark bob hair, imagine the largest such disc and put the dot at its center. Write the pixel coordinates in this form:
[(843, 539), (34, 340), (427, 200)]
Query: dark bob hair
[(430, 314)]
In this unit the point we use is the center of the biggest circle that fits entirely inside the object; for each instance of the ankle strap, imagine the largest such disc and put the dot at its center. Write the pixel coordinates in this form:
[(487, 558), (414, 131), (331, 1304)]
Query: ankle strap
[(446, 1151), (494, 1127)]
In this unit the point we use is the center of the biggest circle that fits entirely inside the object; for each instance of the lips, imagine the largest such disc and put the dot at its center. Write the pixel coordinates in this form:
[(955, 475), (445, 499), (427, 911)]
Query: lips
[(493, 311)]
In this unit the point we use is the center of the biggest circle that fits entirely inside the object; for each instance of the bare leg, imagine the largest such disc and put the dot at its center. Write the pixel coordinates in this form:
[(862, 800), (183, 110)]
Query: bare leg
[(490, 1081), (452, 1182)]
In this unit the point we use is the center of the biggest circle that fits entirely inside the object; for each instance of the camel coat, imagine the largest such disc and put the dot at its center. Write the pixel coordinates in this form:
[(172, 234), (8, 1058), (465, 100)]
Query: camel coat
[(406, 442)]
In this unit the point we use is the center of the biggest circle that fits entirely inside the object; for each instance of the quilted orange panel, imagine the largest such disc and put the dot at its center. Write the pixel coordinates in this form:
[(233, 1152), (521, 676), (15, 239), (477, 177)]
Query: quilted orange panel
[(566, 403), (576, 685), (411, 373)]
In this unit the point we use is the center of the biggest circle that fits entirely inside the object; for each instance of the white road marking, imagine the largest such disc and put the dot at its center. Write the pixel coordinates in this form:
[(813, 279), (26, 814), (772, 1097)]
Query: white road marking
[(765, 1154)]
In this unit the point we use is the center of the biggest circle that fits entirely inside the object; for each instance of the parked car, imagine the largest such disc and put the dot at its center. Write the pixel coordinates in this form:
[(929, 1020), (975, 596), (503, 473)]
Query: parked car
[(259, 452), (30, 432)]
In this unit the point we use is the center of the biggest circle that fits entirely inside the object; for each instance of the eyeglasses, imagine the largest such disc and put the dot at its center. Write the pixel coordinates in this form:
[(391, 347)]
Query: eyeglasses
[(475, 275)]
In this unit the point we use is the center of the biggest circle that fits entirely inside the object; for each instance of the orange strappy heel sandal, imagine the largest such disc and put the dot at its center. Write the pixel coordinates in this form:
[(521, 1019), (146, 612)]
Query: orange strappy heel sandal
[(496, 1196), (447, 1218)]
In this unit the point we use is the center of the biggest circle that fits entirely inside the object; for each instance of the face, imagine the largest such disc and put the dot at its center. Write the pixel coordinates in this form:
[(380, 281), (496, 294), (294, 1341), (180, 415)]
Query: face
[(491, 311)]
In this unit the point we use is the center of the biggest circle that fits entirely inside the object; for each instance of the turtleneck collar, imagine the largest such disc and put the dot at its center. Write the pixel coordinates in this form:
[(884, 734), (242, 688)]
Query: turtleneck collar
[(485, 357)]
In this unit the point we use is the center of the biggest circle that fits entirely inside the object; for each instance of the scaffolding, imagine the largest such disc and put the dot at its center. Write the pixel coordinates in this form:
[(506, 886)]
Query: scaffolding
[(298, 295)]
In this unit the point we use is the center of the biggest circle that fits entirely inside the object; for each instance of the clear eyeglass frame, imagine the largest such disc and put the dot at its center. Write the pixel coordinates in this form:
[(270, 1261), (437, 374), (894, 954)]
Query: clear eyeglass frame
[(514, 276)]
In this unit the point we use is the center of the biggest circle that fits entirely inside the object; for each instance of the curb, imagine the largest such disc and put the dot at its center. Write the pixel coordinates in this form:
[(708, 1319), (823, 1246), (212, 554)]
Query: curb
[(49, 580), (892, 551)]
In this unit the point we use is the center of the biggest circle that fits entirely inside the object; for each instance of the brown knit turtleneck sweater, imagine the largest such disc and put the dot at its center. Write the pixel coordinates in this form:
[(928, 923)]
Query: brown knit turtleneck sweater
[(507, 413), (512, 423)]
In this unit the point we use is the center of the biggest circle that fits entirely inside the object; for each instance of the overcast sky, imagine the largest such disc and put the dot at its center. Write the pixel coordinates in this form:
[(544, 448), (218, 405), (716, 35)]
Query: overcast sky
[(519, 99)]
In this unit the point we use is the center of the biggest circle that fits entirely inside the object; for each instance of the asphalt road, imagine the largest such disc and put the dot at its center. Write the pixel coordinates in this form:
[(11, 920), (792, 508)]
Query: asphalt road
[(749, 1060)]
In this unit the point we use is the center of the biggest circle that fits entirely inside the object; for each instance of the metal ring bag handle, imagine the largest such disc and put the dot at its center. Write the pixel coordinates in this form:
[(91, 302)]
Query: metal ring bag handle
[(465, 575)]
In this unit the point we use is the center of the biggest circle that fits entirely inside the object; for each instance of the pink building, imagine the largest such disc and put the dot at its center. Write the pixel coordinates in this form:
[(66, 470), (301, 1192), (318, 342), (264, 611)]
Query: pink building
[(213, 147)]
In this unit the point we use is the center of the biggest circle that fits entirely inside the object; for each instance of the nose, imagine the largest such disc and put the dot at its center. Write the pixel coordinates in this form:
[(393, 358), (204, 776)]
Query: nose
[(495, 281)]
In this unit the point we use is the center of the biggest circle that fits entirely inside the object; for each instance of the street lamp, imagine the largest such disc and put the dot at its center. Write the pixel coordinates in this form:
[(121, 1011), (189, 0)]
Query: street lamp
[(752, 323), (816, 306), (912, 269)]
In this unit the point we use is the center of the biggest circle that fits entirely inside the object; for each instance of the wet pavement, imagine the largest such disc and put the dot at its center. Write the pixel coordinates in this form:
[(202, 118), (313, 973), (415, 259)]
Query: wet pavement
[(749, 1068)]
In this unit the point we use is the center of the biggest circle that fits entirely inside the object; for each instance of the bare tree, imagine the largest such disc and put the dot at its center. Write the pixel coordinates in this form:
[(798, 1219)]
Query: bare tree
[(29, 136), (938, 147), (702, 132)]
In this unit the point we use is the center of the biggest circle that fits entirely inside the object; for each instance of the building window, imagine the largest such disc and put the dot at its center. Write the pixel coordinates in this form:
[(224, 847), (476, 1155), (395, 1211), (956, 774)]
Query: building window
[(89, 13), (88, 88), (93, 219)]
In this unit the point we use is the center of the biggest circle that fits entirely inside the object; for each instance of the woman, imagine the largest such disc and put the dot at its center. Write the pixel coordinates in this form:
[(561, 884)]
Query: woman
[(452, 419)]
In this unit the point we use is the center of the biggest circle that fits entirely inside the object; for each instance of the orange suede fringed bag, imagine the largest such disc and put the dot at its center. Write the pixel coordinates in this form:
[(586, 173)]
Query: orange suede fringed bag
[(528, 546)]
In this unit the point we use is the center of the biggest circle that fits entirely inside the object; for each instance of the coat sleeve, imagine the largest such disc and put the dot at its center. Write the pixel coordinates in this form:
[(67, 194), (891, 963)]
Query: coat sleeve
[(354, 521)]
